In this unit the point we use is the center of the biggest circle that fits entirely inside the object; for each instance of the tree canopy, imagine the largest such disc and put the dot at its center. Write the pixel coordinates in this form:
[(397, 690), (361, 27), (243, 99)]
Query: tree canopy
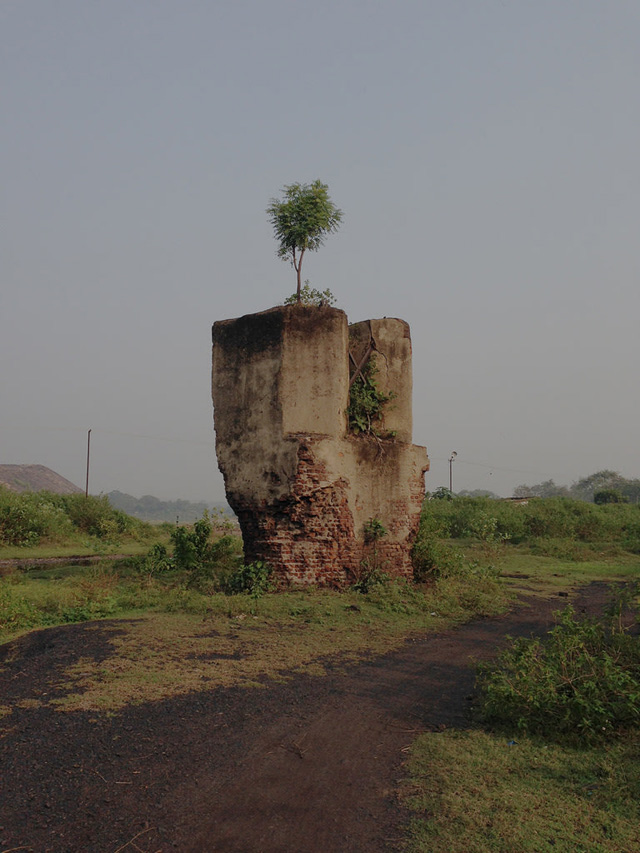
[(301, 221)]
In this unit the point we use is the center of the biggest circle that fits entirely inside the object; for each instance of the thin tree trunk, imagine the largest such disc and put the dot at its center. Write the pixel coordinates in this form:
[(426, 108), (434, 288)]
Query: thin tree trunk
[(299, 271)]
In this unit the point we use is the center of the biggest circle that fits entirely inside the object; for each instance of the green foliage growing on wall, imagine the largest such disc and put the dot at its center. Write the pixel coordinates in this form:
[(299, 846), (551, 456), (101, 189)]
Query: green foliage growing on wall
[(367, 403)]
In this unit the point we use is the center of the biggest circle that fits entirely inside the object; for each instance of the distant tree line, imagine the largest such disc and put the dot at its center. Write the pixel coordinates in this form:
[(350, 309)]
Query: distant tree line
[(601, 487), (149, 508)]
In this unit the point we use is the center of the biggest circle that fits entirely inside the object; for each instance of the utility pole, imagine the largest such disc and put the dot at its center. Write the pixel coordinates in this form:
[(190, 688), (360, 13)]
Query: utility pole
[(451, 461), (86, 490)]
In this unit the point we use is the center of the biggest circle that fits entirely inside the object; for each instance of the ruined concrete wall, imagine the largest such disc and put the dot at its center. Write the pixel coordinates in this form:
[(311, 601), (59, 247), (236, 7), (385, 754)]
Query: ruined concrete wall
[(302, 487)]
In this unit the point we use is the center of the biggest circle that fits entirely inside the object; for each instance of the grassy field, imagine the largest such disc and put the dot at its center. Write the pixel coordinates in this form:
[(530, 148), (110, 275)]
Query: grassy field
[(173, 629), (88, 548), (172, 637), (475, 791)]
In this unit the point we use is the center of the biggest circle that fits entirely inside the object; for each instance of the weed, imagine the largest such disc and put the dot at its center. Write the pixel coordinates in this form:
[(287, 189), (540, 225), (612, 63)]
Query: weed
[(311, 296), (370, 572)]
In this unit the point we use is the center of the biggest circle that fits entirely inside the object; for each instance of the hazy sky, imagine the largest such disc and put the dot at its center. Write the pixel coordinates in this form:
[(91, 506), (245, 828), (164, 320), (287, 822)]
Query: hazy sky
[(486, 155)]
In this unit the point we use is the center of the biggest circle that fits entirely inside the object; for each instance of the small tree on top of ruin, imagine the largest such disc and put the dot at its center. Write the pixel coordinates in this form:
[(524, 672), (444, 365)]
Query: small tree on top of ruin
[(301, 221)]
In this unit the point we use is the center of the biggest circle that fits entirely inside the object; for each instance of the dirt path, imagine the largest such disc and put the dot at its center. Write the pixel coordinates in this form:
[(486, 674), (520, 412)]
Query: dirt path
[(310, 766)]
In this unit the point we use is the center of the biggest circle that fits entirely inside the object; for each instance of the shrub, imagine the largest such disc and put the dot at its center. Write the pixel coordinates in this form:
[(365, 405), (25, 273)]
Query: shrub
[(31, 518), (208, 563), (191, 544), (28, 517), (251, 578), (96, 517), (155, 561), (442, 493), (435, 559), (222, 559), (539, 519), (582, 683), (311, 296)]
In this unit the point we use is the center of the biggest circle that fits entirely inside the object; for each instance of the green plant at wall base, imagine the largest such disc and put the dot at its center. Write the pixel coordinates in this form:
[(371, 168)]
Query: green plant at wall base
[(374, 530), (253, 579), (367, 403), (370, 572)]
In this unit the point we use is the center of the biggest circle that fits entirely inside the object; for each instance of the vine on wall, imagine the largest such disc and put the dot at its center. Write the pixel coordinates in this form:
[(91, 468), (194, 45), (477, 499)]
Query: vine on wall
[(367, 403)]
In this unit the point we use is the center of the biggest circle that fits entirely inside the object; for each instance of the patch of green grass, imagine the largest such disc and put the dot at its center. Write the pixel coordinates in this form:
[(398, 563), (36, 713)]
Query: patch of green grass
[(223, 641), (526, 572), (473, 791), (85, 548), (180, 639)]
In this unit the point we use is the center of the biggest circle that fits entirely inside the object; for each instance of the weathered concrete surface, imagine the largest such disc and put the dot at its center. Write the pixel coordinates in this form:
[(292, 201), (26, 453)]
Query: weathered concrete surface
[(301, 485)]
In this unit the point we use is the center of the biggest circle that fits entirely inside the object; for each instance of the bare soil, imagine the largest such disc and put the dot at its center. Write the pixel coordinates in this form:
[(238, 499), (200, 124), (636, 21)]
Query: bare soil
[(312, 765)]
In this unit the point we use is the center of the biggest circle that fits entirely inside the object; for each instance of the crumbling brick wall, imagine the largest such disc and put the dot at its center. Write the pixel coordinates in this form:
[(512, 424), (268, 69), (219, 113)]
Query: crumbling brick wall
[(302, 486)]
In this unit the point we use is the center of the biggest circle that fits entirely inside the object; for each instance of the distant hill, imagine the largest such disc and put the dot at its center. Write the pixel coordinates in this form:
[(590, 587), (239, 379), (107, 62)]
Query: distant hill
[(148, 508), (38, 478), (35, 478)]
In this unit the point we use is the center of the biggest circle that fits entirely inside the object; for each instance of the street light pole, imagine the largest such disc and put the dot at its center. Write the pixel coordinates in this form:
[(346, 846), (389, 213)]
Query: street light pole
[(86, 490), (451, 460)]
